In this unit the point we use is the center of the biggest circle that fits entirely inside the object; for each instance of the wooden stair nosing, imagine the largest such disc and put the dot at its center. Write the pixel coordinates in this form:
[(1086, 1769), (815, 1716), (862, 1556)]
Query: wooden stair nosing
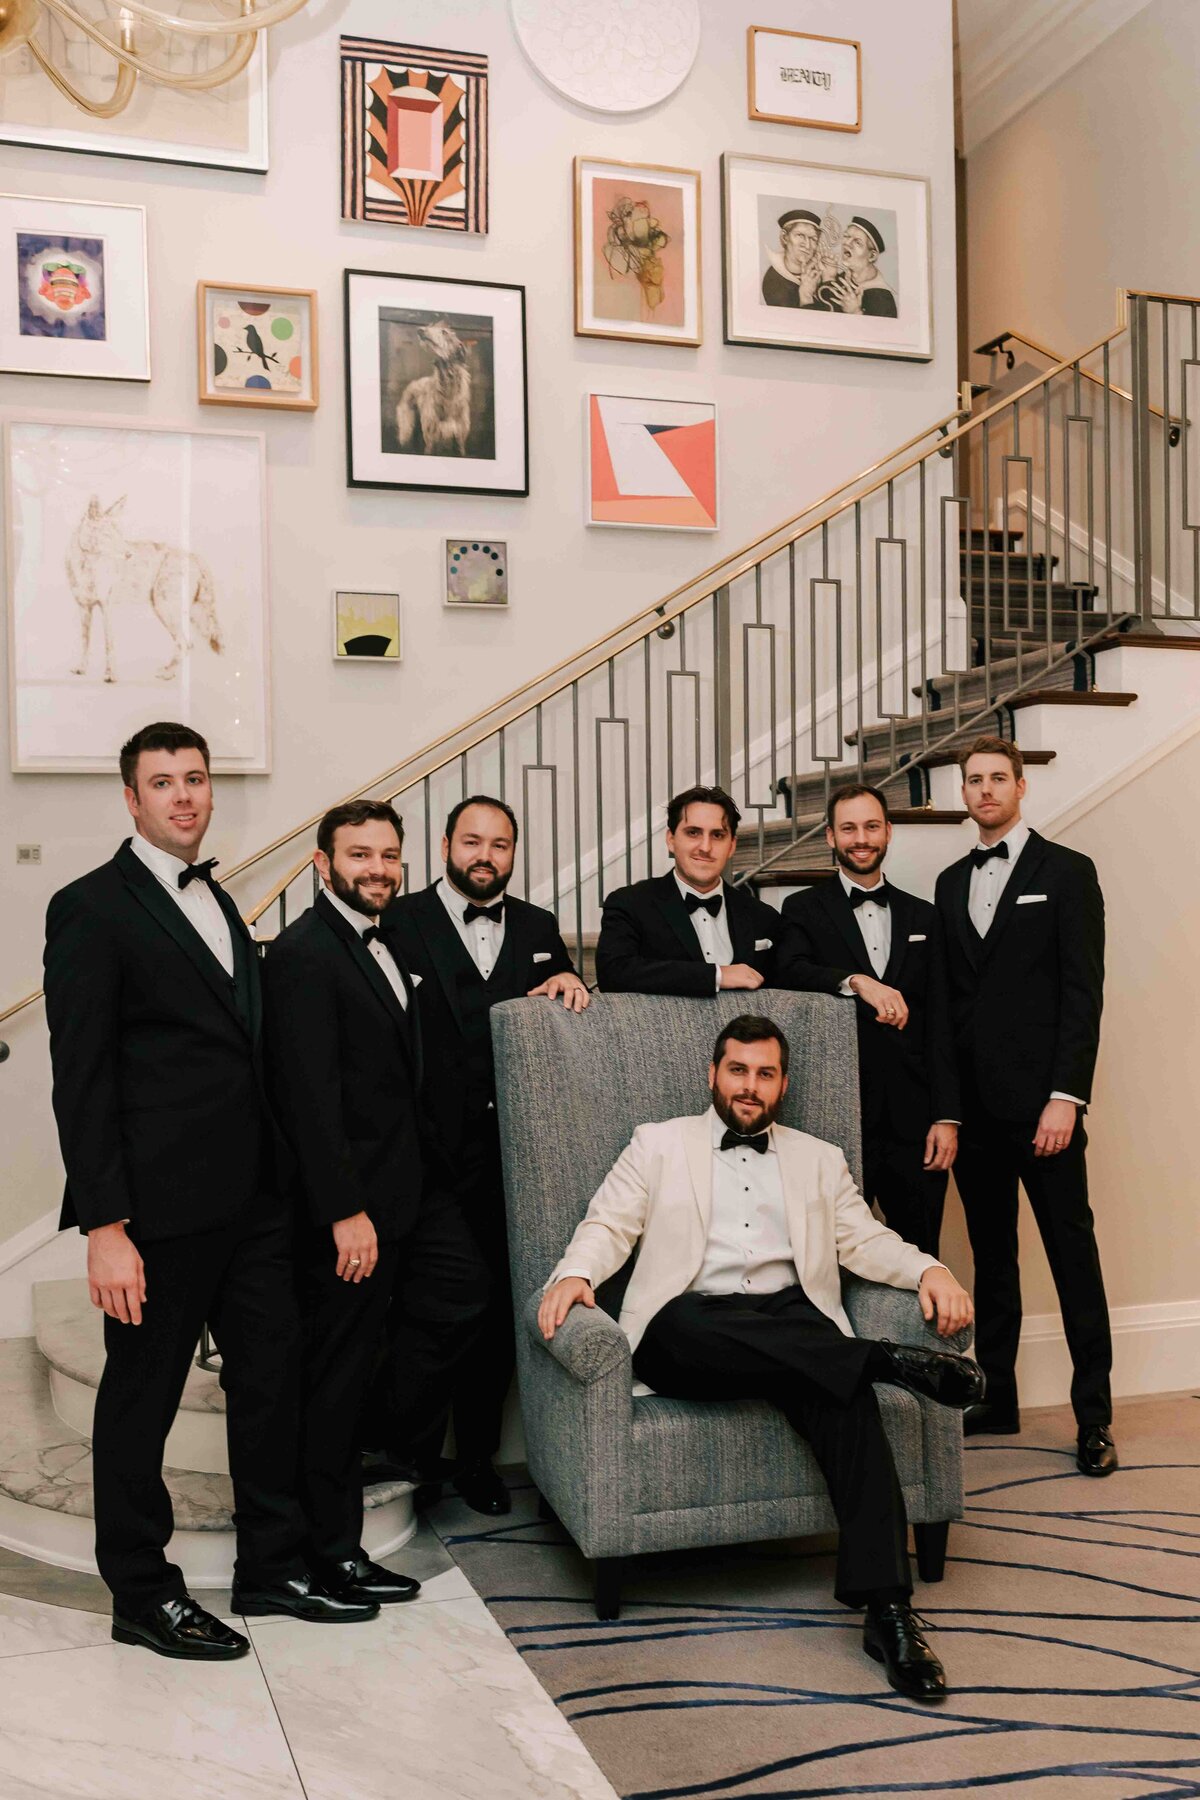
[(1147, 640), (1064, 697)]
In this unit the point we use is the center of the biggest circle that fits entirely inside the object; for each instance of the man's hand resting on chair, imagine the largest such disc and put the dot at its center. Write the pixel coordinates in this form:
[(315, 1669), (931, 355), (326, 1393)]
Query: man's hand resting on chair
[(558, 1301), (942, 1298)]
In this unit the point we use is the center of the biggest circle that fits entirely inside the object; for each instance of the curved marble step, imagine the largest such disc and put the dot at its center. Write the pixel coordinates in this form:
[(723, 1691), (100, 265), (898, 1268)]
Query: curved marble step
[(46, 1488)]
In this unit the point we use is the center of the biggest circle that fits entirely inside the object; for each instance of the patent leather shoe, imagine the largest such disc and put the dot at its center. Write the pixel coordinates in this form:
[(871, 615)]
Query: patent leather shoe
[(986, 1420), (892, 1636), (358, 1578), (302, 1597), (483, 1490), (180, 1628), (1096, 1454), (951, 1380)]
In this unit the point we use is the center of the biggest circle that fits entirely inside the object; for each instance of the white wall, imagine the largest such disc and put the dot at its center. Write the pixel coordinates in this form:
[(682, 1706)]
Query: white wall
[(791, 424)]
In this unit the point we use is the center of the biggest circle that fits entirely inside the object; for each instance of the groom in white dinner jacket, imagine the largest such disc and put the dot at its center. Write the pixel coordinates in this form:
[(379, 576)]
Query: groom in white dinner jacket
[(742, 1227)]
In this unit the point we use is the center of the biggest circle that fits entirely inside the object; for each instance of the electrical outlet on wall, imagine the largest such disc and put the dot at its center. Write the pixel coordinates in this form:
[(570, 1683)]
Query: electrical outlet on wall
[(29, 853)]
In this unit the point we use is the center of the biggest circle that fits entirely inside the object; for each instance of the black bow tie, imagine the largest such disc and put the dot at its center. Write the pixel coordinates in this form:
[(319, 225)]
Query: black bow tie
[(712, 906), (979, 855), (202, 871), (877, 896), (373, 934), (733, 1140), (494, 913)]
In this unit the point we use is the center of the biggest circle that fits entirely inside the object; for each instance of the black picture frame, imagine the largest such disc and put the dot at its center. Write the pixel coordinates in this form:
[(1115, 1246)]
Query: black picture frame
[(459, 370)]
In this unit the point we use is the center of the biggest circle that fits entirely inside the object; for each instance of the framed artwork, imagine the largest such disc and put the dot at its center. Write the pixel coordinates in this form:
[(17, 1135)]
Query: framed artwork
[(366, 627), (796, 78), (819, 258), (435, 384), (637, 252), (257, 346), (137, 585), (223, 128), (476, 572), (73, 293), (651, 462), (414, 135)]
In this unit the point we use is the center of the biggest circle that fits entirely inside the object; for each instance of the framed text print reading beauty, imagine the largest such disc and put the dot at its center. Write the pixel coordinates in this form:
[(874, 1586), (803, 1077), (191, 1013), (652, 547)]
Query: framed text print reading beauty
[(796, 79), (637, 252), (818, 258), (73, 294), (435, 384), (414, 135)]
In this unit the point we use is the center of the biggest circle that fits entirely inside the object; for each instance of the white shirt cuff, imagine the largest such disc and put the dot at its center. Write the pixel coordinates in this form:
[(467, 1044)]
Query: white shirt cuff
[(847, 990), (718, 978), (1073, 1098), (955, 1122)]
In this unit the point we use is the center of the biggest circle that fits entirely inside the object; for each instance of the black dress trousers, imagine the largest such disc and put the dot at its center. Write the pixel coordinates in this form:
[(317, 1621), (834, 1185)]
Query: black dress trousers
[(241, 1279), (993, 1156), (485, 1374), (780, 1347), (911, 1197)]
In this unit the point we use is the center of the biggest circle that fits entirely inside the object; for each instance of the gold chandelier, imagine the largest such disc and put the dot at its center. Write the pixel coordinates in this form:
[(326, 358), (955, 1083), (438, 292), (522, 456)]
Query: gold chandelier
[(131, 34)]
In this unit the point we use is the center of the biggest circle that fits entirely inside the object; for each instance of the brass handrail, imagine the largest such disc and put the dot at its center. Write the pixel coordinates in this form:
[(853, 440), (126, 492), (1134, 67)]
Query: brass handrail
[(998, 346)]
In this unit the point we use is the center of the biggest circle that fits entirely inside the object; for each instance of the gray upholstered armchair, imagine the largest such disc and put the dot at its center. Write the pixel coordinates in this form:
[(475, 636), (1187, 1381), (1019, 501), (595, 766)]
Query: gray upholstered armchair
[(628, 1475)]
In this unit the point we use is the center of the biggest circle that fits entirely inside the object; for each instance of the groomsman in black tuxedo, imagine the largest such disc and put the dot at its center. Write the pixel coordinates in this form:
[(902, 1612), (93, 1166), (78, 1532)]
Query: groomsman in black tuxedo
[(344, 1060), (153, 1002), (690, 932), (1024, 926), (473, 945), (907, 1070)]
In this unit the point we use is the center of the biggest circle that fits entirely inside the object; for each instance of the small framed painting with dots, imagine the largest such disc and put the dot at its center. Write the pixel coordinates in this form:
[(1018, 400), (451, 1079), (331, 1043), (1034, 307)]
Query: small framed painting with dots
[(257, 346), (476, 572)]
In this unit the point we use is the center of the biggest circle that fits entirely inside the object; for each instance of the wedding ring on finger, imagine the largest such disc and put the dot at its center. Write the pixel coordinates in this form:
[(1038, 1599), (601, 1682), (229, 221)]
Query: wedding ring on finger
[(356, 1262)]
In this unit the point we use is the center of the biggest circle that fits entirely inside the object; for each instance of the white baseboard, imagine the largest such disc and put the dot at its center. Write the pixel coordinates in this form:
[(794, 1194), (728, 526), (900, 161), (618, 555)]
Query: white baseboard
[(1156, 1350)]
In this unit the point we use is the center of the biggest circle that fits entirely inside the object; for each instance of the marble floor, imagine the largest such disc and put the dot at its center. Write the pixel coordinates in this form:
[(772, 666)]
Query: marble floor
[(429, 1701)]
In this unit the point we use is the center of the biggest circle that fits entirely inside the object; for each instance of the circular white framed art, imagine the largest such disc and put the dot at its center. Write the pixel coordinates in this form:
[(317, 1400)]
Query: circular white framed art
[(614, 56)]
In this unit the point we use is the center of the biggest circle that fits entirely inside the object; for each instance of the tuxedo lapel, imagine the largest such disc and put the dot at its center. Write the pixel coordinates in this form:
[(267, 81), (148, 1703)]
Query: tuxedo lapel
[(739, 912), (902, 917), (445, 947), (670, 901), (1018, 883), (794, 1173), (697, 1145), (515, 951), (150, 893), (960, 919), (833, 896), (368, 968), (245, 950)]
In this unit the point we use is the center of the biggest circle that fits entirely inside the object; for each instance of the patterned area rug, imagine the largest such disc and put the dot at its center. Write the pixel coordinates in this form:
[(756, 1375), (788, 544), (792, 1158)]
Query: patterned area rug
[(1069, 1624)]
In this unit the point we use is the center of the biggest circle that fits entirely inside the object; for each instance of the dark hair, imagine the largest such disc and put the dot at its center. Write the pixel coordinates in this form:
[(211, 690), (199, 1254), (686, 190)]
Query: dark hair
[(752, 1028), (356, 812), (992, 746), (703, 796), (456, 813), (163, 736), (855, 790)]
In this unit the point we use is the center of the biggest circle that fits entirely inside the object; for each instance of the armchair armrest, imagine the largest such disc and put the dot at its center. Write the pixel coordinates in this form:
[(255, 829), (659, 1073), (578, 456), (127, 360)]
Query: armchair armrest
[(589, 1344), (876, 1311)]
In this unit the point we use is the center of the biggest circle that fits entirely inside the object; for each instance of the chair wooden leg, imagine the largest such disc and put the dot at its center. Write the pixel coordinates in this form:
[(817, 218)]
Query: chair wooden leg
[(930, 1541), (606, 1586)]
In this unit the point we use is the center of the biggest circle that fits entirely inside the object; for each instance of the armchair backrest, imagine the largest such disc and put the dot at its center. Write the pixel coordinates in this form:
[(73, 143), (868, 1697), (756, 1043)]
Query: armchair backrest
[(572, 1088)]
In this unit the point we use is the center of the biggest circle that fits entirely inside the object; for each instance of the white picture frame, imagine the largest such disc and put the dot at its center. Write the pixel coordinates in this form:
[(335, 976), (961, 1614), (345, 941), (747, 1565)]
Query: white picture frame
[(107, 525), (368, 626), (74, 292), (637, 252)]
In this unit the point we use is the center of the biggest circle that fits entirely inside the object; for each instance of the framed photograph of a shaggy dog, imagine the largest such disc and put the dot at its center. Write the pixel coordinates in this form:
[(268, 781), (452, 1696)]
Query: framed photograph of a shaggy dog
[(435, 384)]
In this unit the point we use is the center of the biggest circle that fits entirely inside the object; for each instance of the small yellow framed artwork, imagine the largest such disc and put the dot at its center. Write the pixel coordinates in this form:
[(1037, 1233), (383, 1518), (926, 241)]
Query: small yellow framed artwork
[(366, 627), (257, 346)]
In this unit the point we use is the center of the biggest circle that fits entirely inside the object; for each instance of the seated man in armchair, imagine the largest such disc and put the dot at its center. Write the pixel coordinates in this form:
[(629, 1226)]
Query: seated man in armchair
[(743, 1226)]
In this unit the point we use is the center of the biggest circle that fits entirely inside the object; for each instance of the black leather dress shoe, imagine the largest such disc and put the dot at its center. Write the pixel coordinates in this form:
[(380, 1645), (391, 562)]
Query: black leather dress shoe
[(483, 1490), (181, 1628), (986, 1420), (303, 1597), (1096, 1453), (952, 1380), (892, 1635), (358, 1578)]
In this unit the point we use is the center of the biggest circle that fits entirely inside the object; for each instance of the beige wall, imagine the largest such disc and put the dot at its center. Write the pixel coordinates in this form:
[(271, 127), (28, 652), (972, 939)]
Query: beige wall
[(1091, 187)]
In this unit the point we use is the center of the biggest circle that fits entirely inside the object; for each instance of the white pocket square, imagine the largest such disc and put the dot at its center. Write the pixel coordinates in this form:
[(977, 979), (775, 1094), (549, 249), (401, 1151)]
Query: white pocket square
[(917, 937), (763, 944), (541, 956), (1029, 899), (416, 980)]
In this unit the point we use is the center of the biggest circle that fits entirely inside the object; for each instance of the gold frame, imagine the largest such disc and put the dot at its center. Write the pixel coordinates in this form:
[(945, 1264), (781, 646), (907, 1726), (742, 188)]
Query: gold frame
[(812, 37), (635, 337), (207, 396)]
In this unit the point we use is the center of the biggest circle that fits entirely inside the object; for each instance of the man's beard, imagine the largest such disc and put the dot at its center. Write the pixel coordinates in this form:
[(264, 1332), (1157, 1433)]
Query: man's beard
[(348, 893), (728, 1117), (480, 881), (852, 868)]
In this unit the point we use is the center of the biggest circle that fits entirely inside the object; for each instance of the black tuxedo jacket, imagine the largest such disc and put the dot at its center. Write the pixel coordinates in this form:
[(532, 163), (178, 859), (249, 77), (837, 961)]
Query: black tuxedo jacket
[(344, 1070), (1025, 1000), (908, 1078), (532, 951), (158, 1093), (648, 944)]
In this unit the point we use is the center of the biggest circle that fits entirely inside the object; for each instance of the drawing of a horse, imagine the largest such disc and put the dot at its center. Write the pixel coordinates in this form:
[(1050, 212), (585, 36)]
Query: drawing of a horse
[(106, 569)]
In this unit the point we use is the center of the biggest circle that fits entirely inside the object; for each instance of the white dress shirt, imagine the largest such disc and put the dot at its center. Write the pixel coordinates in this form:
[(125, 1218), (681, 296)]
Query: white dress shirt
[(988, 882), (197, 902), (482, 940), (749, 1249), (377, 948), (711, 934), (874, 922)]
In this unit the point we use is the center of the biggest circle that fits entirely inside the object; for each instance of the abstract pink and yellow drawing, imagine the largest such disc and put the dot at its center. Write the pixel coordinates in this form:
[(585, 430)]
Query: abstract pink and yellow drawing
[(652, 462)]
